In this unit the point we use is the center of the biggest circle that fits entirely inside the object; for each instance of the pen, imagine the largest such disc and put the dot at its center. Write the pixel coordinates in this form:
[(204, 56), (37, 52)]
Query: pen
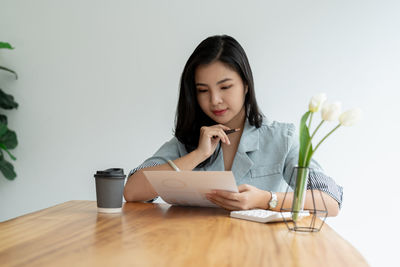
[(229, 131)]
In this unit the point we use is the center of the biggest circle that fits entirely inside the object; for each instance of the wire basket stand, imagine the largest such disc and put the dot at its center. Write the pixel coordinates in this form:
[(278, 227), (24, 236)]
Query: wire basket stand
[(303, 223)]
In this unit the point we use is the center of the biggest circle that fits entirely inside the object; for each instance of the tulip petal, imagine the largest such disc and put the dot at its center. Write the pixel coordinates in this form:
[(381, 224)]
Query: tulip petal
[(316, 102), (350, 117), (331, 111)]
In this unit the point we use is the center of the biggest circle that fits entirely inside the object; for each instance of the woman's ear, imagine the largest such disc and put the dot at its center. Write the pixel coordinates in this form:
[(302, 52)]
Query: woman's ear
[(246, 89)]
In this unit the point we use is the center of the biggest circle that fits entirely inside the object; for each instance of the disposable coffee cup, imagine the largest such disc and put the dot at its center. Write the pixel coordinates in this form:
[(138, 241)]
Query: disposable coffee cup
[(109, 190)]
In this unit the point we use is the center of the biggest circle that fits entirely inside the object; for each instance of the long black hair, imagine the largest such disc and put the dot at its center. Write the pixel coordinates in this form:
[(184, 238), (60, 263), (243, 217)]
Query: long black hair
[(189, 116)]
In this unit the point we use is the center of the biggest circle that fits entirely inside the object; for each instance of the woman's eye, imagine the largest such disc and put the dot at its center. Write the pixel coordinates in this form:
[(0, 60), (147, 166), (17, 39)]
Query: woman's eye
[(226, 87), (201, 90)]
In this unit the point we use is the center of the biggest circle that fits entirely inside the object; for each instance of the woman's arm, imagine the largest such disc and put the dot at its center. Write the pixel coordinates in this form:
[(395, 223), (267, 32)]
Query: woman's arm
[(332, 205), (137, 188), (250, 197)]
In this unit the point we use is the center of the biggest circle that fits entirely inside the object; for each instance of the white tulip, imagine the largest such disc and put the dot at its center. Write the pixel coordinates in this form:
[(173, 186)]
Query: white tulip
[(331, 112), (350, 117), (316, 102)]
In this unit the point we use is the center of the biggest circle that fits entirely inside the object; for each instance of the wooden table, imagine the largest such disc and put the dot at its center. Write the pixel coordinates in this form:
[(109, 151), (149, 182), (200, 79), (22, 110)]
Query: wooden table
[(74, 234)]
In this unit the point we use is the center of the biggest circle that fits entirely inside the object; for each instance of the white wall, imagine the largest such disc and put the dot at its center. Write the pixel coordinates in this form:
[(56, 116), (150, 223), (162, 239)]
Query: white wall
[(98, 88)]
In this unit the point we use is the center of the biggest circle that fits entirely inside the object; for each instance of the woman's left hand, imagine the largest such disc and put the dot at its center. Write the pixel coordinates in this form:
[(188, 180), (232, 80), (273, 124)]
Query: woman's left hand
[(249, 197)]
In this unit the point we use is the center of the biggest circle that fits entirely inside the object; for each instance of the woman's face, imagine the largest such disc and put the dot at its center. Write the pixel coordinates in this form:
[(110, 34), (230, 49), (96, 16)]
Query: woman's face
[(221, 93)]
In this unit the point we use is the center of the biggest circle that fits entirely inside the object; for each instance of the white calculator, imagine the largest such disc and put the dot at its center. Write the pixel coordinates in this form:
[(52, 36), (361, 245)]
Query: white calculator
[(262, 216)]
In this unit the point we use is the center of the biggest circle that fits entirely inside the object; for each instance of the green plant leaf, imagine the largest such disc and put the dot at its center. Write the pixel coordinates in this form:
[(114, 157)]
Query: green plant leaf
[(9, 70), (304, 136), (7, 101), (9, 139), (309, 155), (3, 128), (3, 119), (7, 169), (8, 152), (5, 45)]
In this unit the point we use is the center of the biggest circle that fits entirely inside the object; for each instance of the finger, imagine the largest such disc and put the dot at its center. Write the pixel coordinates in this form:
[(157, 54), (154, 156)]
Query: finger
[(213, 132), (209, 132), (243, 188), (226, 139), (227, 207), (224, 201), (217, 133), (219, 126), (224, 127), (226, 194), (223, 205)]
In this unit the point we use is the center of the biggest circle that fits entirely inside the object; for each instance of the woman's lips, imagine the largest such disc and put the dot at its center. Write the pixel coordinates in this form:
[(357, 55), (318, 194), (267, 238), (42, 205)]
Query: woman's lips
[(219, 112)]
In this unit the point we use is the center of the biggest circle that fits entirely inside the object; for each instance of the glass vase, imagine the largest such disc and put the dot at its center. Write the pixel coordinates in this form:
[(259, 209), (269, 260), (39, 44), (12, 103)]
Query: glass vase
[(303, 219), (300, 190)]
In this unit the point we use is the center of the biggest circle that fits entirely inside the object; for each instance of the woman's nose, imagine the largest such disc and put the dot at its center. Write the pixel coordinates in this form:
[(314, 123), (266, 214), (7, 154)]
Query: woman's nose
[(216, 98)]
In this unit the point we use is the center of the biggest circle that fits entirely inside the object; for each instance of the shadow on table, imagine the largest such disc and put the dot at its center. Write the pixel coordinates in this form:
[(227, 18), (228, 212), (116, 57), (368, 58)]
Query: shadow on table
[(186, 211)]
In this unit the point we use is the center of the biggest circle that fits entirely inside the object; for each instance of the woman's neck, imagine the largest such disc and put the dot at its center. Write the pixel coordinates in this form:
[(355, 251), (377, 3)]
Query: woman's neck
[(237, 121)]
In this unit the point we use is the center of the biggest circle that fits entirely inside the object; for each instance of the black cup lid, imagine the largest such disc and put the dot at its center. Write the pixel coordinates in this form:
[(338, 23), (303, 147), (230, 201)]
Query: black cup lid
[(111, 173)]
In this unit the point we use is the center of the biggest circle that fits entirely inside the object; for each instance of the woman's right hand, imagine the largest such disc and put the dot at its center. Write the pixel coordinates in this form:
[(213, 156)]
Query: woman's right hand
[(210, 137)]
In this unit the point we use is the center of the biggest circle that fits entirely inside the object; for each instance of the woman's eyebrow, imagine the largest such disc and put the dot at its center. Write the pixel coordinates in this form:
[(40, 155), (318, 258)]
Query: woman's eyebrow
[(224, 80), (221, 81)]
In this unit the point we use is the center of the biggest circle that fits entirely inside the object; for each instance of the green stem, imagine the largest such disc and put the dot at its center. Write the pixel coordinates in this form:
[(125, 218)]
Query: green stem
[(309, 144), (316, 129), (326, 136), (309, 123), (299, 192)]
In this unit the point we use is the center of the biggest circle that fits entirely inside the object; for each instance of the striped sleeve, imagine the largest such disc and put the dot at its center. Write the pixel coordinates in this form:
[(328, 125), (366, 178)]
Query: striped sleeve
[(151, 162), (142, 166), (168, 151), (320, 181), (146, 164)]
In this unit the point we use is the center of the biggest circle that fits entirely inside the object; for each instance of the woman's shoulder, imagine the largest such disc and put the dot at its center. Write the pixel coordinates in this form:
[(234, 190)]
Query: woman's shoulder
[(277, 128), (175, 145), (173, 141)]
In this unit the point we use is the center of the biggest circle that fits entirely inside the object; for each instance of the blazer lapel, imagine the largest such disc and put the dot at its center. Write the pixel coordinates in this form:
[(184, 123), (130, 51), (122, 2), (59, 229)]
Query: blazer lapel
[(248, 142)]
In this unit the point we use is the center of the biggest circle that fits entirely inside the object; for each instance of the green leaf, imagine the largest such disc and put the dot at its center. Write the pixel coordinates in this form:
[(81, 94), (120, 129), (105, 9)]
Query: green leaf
[(3, 119), (304, 136), (309, 155), (9, 139), (3, 128), (5, 45), (7, 169), (8, 152), (7, 101), (9, 70)]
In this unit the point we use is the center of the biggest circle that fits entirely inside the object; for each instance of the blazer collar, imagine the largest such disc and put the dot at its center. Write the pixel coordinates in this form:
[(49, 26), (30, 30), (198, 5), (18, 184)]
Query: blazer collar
[(249, 142)]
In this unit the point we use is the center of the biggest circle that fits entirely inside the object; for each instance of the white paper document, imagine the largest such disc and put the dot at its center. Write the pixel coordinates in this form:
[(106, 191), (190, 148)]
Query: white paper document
[(188, 188)]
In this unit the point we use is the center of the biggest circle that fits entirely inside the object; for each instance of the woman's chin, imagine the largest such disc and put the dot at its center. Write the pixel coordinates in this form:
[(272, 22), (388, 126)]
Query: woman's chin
[(221, 120)]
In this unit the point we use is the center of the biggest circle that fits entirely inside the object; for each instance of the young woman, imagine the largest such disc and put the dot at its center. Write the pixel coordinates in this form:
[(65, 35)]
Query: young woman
[(217, 94)]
